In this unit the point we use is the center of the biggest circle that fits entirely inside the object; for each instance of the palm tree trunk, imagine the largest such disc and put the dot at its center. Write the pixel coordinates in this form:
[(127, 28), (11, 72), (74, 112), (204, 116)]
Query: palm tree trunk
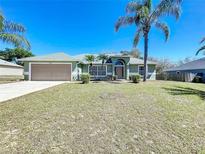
[(145, 56)]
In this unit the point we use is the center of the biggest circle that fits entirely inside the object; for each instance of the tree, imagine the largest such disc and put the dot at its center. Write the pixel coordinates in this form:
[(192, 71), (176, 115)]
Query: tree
[(10, 54), (141, 13), (202, 48), (134, 53), (90, 59), (184, 61), (163, 64), (12, 33), (103, 57)]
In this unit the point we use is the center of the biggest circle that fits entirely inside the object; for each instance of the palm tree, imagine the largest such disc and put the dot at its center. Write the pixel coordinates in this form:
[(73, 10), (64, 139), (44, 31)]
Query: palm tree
[(103, 57), (11, 32), (90, 59), (142, 14), (202, 48)]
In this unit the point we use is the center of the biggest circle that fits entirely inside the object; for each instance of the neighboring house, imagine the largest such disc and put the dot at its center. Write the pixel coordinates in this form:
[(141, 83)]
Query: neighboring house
[(60, 66), (10, 71), (187, 72)]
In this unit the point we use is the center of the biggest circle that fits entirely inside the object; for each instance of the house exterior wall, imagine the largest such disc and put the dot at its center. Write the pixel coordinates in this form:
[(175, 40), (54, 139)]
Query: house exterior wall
[(85, 68), (130, 69), (10, 72), (74, 68), (109, 69), (151, 73)]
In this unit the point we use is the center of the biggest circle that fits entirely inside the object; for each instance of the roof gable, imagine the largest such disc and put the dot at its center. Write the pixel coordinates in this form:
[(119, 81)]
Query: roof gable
[(6, 63)]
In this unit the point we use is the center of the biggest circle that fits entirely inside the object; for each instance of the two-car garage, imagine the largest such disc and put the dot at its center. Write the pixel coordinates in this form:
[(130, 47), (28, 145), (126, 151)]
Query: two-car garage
[(52, 67), (50, 72)]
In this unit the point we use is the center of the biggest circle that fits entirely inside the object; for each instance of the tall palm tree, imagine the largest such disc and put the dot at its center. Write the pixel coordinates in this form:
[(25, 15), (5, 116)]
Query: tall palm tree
[(144, 16), (11, 32), (103, 57), (202, 48)]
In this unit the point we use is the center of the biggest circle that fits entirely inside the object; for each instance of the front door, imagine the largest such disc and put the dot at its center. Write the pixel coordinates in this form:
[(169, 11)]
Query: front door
[(119, 72)]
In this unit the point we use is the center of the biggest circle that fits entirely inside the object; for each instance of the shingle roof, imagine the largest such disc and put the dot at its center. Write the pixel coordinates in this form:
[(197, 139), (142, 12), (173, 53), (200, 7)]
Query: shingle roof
[(140, 61), (51, 57), (132, 60), (64, 57), (193, 65), (6, 63)]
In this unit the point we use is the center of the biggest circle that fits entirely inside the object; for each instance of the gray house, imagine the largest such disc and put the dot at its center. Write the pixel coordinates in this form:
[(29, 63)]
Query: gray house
[(60, 67), (187, 72)]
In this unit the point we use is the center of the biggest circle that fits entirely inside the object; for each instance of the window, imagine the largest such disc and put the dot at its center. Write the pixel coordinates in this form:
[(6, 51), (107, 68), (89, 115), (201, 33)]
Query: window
[(93, 70), (97, 70), (133, 68), (119, 63), (141, 70)]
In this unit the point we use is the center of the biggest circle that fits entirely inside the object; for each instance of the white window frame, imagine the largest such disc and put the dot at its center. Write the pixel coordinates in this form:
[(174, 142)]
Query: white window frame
[(30, 70), (97, 71)]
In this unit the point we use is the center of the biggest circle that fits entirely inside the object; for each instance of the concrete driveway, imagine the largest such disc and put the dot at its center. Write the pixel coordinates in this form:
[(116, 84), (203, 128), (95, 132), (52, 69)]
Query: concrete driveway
[(12, 90)]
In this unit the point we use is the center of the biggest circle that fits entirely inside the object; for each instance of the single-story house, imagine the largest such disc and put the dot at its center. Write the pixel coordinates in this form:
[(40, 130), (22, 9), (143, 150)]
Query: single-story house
[(60, 66), (10, 71), (187, 72)]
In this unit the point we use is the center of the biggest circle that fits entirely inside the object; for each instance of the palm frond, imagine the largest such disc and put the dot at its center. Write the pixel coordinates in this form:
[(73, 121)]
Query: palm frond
[(13, 27), (148, 3), (103, 57), (123, 21), (137, 37), (1, 21), (133, 6), (15, 39), (202, 41), (167, 7), (164, 27), (90, 58), (201, 49)]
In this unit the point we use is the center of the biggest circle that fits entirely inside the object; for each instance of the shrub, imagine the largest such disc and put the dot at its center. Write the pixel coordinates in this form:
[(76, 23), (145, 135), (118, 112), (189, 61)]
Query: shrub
[(114, 77), (85, 78), (136, 78), (197, 79)]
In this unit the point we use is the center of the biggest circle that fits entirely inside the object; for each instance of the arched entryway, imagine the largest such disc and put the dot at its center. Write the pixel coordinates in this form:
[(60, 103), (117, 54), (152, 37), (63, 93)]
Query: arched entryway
[(120, 69)]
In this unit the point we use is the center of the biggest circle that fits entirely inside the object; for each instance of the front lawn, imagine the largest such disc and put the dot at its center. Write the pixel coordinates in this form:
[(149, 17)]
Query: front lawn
[(152, 117)]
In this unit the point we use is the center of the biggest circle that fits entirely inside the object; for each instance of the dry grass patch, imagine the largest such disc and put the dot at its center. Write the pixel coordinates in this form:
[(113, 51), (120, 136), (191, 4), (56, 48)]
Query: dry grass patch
[(148, 117)]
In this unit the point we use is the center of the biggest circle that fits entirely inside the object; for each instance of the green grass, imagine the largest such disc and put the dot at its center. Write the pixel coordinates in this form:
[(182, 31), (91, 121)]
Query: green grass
[(152, 117)]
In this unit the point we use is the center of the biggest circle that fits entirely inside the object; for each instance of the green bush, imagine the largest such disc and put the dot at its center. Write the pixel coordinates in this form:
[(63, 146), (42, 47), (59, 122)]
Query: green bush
[(114, 77), (85, 78), (136, 78), (197, 79)]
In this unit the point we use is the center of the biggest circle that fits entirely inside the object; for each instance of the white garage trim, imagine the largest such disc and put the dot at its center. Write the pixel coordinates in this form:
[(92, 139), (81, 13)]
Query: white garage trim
[(30, 70)]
